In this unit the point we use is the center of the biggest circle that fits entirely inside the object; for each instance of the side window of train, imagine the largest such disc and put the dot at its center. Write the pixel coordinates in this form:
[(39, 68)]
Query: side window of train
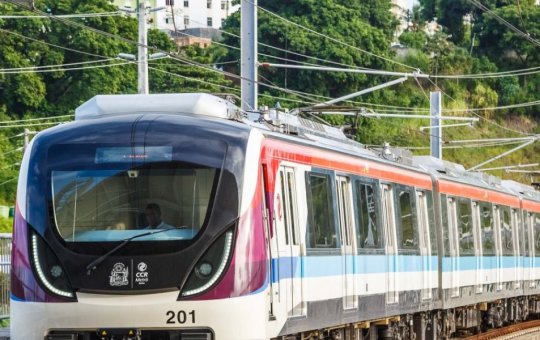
[(407, 230), (368, 229), (321, 230), (465, 227), (506, 231), (486, 224)]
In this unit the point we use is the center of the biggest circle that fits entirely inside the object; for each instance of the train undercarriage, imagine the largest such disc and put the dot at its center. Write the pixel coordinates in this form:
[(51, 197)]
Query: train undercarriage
[(440, 324)]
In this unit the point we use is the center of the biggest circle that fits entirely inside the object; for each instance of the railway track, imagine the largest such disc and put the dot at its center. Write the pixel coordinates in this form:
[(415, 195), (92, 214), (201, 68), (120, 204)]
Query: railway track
[(509, 332)]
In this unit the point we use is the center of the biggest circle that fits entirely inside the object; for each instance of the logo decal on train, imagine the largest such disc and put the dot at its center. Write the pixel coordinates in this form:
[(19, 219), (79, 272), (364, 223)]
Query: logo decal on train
[(141, 277), (119, 275)]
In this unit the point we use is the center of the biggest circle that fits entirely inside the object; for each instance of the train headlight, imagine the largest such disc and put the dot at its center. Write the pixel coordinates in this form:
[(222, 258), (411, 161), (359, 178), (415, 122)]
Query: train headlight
[(204, 269), (210, 267), (48, 268)]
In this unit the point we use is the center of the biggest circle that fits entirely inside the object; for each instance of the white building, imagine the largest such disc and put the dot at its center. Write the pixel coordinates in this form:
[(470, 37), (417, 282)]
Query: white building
[(187, 13)]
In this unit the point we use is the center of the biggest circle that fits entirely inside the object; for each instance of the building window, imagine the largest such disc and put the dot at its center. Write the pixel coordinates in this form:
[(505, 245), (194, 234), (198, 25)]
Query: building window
[(186, 20), (222, 22), (209, 4), (224, 4), (186, 3), (209, 21), (166, 20)]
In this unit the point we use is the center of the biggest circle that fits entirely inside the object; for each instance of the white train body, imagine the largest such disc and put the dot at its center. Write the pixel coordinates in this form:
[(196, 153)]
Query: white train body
[(265, 234)]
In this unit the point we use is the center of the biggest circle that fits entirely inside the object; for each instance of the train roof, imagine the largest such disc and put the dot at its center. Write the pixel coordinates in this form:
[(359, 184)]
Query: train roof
[(284, 125)]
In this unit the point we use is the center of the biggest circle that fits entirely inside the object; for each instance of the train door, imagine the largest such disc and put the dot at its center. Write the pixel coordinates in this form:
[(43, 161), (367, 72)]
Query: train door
[(529, 220), (271, 241), (454, 247), (516, 240), (424, 243), (348, 248), (289, 241), (498, 245), (391, 250), (478, 254)]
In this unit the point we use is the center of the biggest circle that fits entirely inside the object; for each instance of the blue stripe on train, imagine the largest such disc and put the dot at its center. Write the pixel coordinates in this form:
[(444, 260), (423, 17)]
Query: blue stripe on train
[(323, 266)]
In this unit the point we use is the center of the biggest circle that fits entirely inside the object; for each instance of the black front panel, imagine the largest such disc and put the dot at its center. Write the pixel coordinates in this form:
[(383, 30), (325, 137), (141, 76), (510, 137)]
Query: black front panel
[(168, 183)]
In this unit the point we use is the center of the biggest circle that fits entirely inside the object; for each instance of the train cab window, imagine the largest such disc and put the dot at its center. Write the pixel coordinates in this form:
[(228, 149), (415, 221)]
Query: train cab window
[(506, 232), (321, 231), (368, 233), (486, 223), (407, 231), (111, 205), (465, 227)]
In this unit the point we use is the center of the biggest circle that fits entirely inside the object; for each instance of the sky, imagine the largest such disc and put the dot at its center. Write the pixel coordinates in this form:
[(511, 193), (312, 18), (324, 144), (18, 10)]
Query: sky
[(410, 3)]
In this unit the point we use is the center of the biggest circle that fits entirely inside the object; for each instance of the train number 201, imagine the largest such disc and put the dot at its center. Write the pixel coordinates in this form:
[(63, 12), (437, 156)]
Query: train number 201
[(181, 317)]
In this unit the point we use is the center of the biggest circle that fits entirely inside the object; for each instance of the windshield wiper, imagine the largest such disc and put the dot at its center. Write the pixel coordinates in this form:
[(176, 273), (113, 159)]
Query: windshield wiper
[(94, 264)]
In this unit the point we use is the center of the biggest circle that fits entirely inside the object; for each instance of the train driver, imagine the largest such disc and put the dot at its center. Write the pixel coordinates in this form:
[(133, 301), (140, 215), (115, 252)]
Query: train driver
[(153, 217)]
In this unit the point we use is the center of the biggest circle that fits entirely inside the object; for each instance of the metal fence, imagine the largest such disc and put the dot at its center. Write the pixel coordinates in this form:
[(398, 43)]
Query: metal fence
[(5, 263)]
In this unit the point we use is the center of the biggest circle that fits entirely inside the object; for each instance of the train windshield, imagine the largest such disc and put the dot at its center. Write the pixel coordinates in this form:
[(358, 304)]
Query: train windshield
[(118, 198)]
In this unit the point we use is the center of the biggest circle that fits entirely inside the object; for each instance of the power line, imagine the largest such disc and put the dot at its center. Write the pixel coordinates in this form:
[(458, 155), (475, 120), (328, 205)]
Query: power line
[(11, 151), (80, 15), (33, 119), (65, 69), (53, 45), (10, 180), (14, 69), (504, 22), (331, 39), (26, 125)]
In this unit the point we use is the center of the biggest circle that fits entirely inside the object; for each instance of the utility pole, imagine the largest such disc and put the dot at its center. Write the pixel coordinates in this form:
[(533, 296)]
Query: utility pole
[(142, 55), (435, 108), (248, 59)]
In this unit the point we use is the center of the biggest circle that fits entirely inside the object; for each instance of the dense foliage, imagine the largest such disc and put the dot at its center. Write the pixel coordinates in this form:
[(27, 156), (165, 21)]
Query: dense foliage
[(470, 41)]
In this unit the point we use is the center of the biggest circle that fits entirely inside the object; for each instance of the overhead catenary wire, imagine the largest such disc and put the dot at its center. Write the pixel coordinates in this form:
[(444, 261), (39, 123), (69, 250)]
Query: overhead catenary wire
[(9, 180), (30, 68), (513, 28), (330, 38), (75, 15), (288, 51), (27, 125), (185, 60), (53, 45), (173, 56), (33, 120), (64, 69)]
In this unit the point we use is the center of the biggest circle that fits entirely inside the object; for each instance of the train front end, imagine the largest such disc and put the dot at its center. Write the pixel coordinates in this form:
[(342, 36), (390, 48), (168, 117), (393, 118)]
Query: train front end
[(139, 225)]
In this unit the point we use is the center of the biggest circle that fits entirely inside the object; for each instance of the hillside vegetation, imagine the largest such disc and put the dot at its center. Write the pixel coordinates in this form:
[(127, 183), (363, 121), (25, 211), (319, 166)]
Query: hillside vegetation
[(337, 33)]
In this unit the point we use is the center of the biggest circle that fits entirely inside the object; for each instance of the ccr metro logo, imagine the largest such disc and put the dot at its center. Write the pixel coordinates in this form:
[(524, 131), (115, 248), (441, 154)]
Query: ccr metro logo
[(141, 277)]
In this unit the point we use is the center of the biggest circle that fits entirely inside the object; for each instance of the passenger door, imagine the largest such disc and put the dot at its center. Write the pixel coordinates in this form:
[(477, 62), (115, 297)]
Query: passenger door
[(348, 248), (289, 236), (498, 245), (424, 243), (478, 254), (516, 239), (389, 222), (454, 247), (529, 222)]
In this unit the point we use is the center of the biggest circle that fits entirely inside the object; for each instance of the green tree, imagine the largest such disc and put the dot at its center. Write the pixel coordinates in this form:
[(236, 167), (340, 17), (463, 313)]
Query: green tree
[(367, 25)]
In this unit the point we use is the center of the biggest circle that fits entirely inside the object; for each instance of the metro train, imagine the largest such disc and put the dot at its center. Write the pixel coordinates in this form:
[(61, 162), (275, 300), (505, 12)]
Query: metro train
[(272, 226)]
